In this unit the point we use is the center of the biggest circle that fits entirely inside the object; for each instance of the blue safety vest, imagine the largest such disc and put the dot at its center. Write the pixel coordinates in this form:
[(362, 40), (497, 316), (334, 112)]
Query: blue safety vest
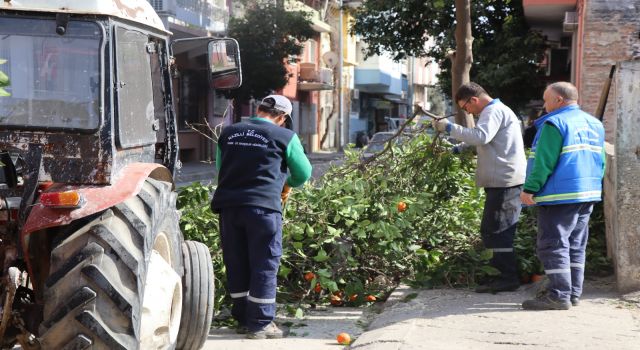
[(577, 176)]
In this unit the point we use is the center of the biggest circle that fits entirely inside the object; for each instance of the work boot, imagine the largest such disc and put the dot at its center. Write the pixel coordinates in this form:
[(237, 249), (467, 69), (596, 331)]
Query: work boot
[(546, 302), (498, 286), (270, 331), (575, 300)]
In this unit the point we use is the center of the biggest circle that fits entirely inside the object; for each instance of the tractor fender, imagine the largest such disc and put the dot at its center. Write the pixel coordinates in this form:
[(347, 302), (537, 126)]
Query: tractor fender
[(127, 183)]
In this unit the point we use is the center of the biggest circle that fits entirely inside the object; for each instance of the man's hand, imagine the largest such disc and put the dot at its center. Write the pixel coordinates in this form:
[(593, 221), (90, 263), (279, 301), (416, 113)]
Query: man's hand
[(284, 195), (527, 198), (441, 125)]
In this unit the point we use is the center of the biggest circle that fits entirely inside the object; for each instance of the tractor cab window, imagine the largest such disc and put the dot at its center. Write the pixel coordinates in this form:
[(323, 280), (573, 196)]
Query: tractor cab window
[(136, 112), (49, 80)]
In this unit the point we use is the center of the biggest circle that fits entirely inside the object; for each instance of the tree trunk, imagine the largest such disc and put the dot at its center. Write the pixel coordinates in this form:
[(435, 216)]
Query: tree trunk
[(462, 58), (237, 110)]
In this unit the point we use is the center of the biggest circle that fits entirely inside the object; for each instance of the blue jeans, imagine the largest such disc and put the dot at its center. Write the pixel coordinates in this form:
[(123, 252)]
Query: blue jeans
[(563, 232), (498, 228), (251, 250)]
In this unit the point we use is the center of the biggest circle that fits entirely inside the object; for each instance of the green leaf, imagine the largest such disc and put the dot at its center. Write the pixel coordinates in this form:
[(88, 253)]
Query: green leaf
[(4, 79), (490, 270), (333, 231), (332, 286), (309, 230), (284, 271), (486, 254), (322, 256), (324, 273)]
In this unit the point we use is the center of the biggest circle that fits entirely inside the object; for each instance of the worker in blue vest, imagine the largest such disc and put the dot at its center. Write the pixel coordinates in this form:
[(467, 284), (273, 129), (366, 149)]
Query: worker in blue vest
[(564, 179), (255, 161)]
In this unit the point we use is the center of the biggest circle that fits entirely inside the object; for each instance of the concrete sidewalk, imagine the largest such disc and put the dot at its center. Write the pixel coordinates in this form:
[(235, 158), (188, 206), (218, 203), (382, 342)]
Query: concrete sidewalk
[(462, 319), (317, 330)]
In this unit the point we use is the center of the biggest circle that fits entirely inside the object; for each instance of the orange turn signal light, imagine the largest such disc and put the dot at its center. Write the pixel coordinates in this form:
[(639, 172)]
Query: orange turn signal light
[(68, 199)]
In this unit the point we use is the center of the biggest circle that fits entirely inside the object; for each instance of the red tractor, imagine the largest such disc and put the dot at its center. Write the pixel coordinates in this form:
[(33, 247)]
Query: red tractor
[(91, 254)]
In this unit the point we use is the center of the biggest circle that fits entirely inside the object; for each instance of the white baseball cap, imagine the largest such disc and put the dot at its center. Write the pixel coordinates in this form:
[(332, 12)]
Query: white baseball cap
[(279, 103)]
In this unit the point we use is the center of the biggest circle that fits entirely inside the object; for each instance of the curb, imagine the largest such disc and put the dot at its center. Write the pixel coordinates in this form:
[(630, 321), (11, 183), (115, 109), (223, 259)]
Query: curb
[(391, 337)]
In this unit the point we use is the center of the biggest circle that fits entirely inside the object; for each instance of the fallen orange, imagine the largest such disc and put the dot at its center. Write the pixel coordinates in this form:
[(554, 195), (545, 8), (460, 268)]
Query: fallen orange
[(371, 298), (343, 338), (536, 278)]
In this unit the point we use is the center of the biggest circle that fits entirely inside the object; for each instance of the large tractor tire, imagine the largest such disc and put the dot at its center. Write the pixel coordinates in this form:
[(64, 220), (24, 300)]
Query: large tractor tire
[(198, 296), (116, 283)]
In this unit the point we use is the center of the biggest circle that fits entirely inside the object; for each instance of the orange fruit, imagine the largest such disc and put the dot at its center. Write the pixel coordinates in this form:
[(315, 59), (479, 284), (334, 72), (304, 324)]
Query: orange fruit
[(370, 298), (343, 339), (336, 300), (536, 278), (353, 297), (317, 288), (309, 276), (402, 206)]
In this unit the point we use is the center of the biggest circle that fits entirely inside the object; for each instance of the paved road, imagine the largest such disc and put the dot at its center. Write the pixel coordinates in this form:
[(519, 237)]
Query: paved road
[(316, 331), (460, 319)]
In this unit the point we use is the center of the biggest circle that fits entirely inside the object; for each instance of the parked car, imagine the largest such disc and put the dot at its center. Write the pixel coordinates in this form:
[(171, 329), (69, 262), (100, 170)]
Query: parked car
[(378, 142)]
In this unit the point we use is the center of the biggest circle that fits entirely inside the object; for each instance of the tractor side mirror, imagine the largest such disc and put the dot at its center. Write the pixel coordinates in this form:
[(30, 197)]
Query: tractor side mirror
[(224, 64)]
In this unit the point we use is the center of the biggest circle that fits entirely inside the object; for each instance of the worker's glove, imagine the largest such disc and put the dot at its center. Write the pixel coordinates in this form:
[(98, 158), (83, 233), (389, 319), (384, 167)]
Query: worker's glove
[(284, 195), (442, 125)]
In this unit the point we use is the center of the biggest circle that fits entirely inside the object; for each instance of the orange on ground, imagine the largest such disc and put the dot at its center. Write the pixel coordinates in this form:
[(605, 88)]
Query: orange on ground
[(336, 300), (343, 338), (371, 298), (536, 278), (353, 297), (402, 206), (317, 288)]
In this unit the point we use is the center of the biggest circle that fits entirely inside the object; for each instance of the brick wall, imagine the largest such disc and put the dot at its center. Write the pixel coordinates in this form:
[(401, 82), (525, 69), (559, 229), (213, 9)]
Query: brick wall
[(611, 28)]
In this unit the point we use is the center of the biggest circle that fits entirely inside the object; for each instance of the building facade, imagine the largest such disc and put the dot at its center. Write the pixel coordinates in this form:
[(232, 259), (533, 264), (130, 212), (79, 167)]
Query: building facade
[(196, 102), (585, 38), (311, 85)]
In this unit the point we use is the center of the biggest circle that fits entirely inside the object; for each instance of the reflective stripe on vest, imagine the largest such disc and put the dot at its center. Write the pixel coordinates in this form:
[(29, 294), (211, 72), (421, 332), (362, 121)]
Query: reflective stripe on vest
[(581, 147), (567, 196)]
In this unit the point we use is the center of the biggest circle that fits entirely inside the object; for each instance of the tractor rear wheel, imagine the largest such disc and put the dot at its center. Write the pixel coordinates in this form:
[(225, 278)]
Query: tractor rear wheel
[(116, 283), (198, 296)]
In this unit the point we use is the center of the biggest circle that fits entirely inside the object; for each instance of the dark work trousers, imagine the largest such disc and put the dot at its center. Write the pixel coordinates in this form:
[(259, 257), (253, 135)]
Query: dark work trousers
[(563, 231), (251, 250), (498, 228)]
